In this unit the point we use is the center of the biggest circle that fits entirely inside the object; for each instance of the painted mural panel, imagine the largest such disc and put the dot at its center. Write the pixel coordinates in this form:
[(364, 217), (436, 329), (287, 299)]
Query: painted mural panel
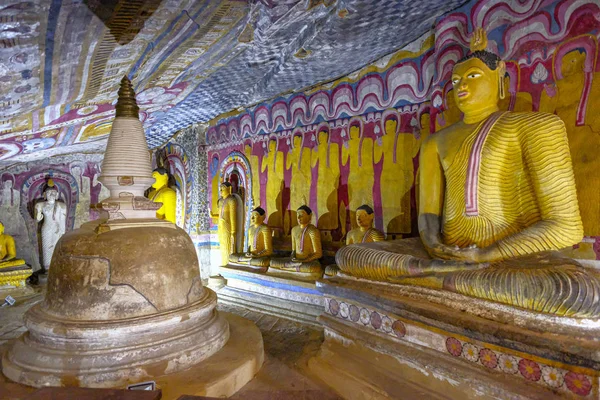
[(356, 140)]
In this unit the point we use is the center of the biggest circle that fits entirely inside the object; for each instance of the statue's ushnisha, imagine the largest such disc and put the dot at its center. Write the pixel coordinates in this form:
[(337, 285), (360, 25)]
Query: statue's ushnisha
[(497, 198)]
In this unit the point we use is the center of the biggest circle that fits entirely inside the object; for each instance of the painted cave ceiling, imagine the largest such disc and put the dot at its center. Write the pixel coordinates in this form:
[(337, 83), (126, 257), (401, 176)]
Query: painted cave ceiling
[(61, 61)]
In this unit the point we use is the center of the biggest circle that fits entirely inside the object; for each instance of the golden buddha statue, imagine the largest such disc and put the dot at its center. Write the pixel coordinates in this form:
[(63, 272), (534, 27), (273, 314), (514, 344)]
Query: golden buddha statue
[(162, 193), (365, 233), (306, 247), (227, 225), (497, 198), (8, 250), (260, 249), (13, 270)]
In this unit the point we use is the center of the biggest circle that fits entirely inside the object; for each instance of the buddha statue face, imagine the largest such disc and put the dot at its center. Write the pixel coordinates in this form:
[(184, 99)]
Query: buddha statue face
[(303, 217), (225, 191), (256, 219), (476, 86), (51, 195), (160, 180), (364, 219)]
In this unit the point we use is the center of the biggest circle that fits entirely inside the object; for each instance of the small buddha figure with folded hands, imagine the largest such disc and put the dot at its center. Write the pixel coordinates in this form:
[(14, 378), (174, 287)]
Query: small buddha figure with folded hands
[(497, 199), (306, 248), (260, 249), (364, 233)]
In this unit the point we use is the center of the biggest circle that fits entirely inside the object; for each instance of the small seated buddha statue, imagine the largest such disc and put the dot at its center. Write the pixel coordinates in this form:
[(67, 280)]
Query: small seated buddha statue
[(13, 270), (260, 237), (8, 250), (497, 200), (306, 248), (364, 233), (162, 193)]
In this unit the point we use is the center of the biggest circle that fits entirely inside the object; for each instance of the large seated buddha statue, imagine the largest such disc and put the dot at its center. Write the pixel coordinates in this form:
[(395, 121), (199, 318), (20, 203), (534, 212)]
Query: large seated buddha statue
[(260, 250), (13, 270), (306, 248), (497, 200)]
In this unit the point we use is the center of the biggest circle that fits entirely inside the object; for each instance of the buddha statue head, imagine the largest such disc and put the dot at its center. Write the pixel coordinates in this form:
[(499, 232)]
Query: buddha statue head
[(225, 189), (364, 216), (258, 216), (304, 215), (161, 178), (51, 192), (477, 80)]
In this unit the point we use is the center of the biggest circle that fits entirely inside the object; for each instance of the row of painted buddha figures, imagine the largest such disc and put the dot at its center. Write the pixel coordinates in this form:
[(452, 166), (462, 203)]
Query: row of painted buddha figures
[(306, 241), (497, 200)]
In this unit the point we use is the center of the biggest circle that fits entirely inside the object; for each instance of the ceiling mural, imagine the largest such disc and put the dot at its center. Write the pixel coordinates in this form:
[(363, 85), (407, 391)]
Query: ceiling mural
[(61, 61)]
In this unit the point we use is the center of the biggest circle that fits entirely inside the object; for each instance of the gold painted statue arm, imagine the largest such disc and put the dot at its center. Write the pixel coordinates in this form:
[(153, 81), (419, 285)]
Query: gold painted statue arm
[(431, 199), (548, 159), (315, 239), (9, 251), (232, 222), (265, 232), (294, 244)]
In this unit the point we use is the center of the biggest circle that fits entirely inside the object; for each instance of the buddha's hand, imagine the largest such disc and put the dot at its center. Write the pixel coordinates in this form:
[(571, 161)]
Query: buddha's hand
[(475, 254), (442, 251)]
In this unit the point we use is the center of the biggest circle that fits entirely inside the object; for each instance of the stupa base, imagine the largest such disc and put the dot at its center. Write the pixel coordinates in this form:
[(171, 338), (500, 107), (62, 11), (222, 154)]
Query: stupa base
[(114, 353), (226, 371)]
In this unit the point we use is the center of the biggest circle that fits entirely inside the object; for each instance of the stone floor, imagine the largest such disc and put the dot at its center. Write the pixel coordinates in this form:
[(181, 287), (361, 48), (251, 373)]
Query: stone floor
[(284, 375)]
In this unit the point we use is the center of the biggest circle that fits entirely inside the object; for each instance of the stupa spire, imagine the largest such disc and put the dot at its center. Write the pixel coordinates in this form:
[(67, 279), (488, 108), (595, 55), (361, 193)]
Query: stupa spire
[(126, 168), (126, 105)]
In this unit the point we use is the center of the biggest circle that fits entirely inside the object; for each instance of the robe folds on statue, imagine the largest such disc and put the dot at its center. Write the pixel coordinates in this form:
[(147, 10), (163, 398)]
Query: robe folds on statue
[(493, 193)]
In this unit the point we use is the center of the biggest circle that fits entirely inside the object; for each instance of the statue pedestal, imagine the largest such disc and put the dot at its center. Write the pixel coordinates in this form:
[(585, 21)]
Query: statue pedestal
[(380, 337), (14, 277), (286, 297)]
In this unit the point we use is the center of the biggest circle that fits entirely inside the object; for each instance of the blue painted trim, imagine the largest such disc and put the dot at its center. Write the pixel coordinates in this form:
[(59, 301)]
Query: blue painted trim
[(258, 281), (50, 31)]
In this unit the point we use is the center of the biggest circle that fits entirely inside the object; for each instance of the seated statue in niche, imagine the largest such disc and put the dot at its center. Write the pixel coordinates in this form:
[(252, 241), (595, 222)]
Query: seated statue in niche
[(53, 216), (260, 250), (497, 199), (8, 251), (13, 270), (306, 248), (162, 193)]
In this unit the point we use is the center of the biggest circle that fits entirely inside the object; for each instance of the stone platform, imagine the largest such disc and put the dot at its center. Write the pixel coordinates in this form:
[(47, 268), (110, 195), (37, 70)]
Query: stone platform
[(378, 336), (293, 298)]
